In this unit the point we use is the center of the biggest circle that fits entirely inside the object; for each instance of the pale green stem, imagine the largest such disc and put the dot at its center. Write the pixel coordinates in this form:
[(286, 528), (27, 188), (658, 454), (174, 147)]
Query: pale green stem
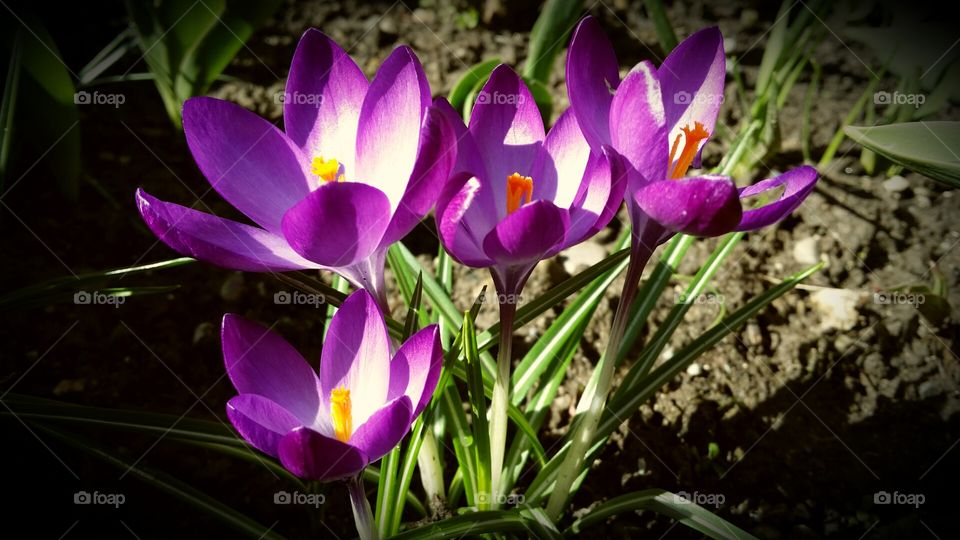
[(362, 514), (500, 398), (586, 427)]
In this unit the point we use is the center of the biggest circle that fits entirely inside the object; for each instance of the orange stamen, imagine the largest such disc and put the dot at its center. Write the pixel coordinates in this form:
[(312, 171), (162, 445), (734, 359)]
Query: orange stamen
[(692, 138), (518, 187), (340, 411)]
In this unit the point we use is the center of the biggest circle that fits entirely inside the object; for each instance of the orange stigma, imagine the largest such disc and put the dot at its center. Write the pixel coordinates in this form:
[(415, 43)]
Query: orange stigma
[(327, 170), (692, 138), (518, 187), (341, 413)]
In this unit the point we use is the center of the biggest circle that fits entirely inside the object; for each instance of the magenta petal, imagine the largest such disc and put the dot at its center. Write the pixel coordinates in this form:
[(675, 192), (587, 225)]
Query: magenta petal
[(462, 221), (438, 153), (324, 92), (314, 456), (338, 224), (250, 162), (384, 429), (468, 156), (638, 124), (508, 130), (533, 232), (216, 240), (559, 171), (415, 369), (260, 421), (261, 362), (701, 206), (599, 198), (592, 76), (692, 80), (390, 122), (356, 355), (798, 184)]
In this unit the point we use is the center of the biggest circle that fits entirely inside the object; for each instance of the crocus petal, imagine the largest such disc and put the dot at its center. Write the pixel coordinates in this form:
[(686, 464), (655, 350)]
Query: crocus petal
[(324, 92), (384, 429), (692, 78), (460, 221), (592, 76), (216, 240), (390, 121), (701, 206), (338, 224), (314, 456), (638, 124), (415, 369), (438, 153), (250, 162), (559, 170), (599, 198), (260, 421), (468, 155), (261, 362), (356, 355), (533, 232), (508, 130), (798, 184)]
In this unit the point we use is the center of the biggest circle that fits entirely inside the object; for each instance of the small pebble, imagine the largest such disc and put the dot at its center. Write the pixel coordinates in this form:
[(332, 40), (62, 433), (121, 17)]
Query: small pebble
[(694, 369), (895, 184)]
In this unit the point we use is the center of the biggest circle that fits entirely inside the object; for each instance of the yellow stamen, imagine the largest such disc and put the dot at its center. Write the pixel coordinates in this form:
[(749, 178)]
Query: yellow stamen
[(327, 169), (518, 187), (692, 138), (340, 411)]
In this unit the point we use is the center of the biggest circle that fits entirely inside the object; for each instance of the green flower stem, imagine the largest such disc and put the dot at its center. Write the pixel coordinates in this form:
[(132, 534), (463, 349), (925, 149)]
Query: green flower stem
[(500, 398), (589, 419), (362, 514)]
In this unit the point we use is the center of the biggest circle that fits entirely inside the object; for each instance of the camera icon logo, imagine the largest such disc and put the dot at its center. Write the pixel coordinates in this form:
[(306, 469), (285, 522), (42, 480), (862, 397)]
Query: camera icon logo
[(882, 98), (81, 497), (881, 298), (81, 98), (881, 497), (282, 298), (280, 98), (682, 98), (82, 297), (281, 497)]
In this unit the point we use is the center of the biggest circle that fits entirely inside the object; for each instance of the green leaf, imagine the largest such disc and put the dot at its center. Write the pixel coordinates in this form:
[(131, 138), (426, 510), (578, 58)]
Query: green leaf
[(187, 44), (628, 398), (186, 428), (471, 523), (929, 148), (549, 36), (540, 524), (179, 489), (62, 289), (661, 24), (661, 502), (45, 120), (478, 406), (478, 73), (9, 103)]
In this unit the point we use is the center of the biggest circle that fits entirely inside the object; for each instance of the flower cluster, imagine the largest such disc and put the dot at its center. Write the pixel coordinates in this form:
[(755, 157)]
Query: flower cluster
[(359, 163)]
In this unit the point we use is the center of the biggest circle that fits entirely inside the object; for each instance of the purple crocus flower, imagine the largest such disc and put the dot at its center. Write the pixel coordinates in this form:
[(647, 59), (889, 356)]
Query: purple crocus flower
[(358, 165), (361, 405), (517, 196), (659, 121)]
